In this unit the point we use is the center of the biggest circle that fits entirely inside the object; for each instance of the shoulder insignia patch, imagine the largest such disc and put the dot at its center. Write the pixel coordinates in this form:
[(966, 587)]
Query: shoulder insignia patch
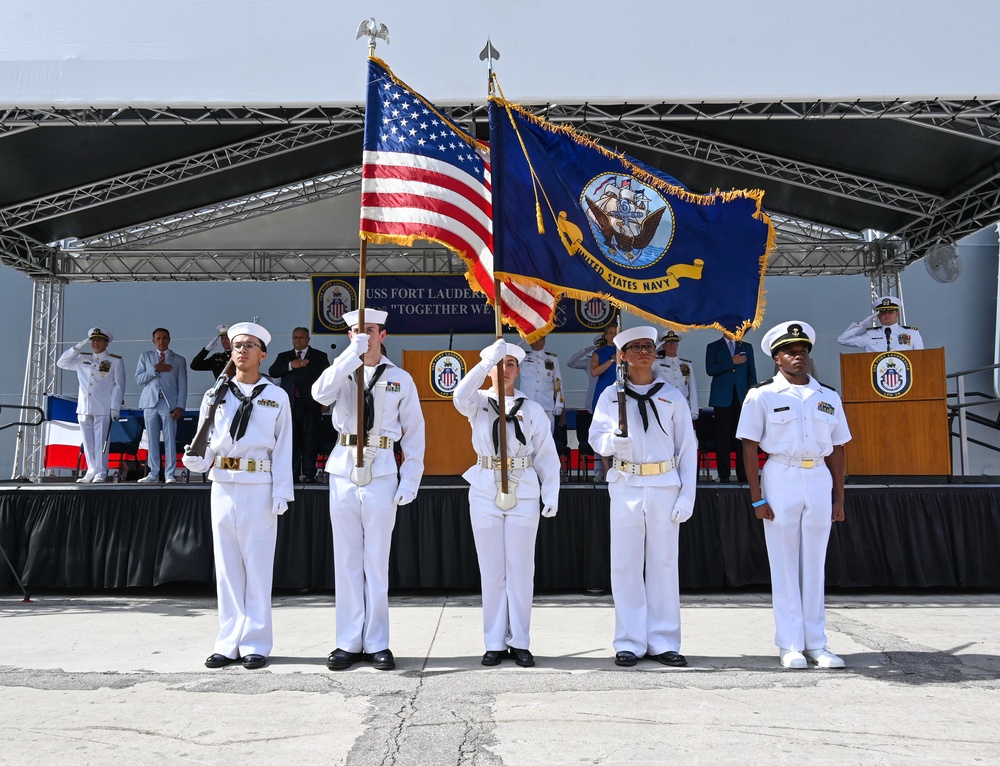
[(763, 383), (116, 356)]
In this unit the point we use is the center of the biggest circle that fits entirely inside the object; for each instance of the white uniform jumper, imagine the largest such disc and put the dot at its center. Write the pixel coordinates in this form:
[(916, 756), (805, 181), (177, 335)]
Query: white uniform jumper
[(541, 381), (793, 424), (901, 338), (680, 374), (644, 540), (102, 386), (363, 517), (244, 528), (505, 540)]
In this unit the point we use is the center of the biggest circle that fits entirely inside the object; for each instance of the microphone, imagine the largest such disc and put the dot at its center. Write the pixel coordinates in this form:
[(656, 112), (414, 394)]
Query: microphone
[(888, 339), (451, 337)]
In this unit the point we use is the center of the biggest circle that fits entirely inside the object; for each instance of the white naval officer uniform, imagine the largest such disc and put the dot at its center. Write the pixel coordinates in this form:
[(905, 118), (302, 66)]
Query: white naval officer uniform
[(901, 337), (541, 381), (794, 424), (102, 388), (680, 374), (363, 517), (505, 540), (644, 538), (244, 524), (162, 392)]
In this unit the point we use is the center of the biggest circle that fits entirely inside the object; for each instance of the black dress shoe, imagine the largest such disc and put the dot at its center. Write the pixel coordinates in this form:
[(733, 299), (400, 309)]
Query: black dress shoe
[(493, 658), (673, 659), (522, 657), (219, 661), (626, 659), (254, 661), (383, 660), (340, 659)]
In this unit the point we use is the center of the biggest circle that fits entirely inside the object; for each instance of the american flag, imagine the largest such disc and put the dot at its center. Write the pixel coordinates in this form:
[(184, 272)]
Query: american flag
[(424, 178)]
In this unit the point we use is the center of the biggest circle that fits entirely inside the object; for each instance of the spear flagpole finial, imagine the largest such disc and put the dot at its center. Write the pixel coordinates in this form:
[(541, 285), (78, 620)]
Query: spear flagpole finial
[(488, 54), (372, 30)]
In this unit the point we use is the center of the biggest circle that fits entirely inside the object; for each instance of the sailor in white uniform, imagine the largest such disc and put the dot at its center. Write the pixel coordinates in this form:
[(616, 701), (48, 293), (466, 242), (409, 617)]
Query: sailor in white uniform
[(505, 526), (363, 501), (678, 372), (102, 390), (800, 424), (541, 380), (652, 485), (249, 459), (889, 335)]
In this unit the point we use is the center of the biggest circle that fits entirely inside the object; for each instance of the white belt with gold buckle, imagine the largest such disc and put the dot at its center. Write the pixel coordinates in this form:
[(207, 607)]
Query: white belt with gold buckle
[(248, 464), (513, 463), (812, 462), (351, 440), (643, 469)]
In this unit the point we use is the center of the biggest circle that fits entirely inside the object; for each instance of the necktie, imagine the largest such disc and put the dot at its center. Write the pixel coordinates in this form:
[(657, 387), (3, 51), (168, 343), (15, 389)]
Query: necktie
[(642, 399), (370, 398), (732, 347), (511, 418), (302, 355), (242, 419), (162, 357)]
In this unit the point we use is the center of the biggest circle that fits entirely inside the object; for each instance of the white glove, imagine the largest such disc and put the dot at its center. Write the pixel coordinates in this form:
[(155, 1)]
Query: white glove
[(115, 414), (494, 353), (197, 464), (279, 505), (404, 496), (212, 343), (359, 344), (549, 511), (622, 446), (680, 515), (82, 344), (868, 320)]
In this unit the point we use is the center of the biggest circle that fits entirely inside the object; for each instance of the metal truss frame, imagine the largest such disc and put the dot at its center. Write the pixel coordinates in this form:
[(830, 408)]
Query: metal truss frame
[(169, 173), (40, 372)]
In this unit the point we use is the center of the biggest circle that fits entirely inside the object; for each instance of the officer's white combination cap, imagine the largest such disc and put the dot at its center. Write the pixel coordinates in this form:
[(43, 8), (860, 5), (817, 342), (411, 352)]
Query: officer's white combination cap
[(101, 333), (515, 351), (372, 316), (785, 333), (886, 303), (222, 329), (249, 328), (643, 332)]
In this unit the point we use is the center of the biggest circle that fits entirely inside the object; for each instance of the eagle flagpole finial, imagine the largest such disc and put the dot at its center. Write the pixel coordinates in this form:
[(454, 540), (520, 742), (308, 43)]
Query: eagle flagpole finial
[(373, 30)]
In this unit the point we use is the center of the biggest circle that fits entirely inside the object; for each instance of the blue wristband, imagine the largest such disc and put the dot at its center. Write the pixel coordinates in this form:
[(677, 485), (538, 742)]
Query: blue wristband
[(759, 503)]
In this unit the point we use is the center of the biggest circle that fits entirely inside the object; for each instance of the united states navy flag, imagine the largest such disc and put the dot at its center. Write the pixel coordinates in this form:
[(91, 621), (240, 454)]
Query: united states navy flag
[(581, 220)]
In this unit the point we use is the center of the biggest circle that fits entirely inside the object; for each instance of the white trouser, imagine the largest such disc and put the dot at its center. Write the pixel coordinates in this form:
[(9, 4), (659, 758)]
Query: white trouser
[(362, 519), (94, 430), (802, 501), (644, 542), (158, 420), (244, 531), (505, 545)]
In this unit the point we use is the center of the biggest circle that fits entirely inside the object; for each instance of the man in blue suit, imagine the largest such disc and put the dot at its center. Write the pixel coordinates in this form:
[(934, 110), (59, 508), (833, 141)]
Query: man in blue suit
[(731, 365), (295, 371), (162, 374)]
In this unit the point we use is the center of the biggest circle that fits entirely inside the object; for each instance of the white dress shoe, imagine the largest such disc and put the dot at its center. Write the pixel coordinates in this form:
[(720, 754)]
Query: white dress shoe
[(792, 659), (99, 479), (170, 480), (823, 658), (151, 478), (85, 479)]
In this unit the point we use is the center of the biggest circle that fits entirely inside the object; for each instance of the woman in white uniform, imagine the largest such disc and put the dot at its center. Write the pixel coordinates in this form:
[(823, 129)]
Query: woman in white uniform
[(505, 526), (249, 459)]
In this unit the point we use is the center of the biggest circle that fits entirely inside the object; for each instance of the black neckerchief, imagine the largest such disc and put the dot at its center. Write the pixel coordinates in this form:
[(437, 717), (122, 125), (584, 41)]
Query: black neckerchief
[(642, 399), (370, 398), (242, 418), (511, 418)]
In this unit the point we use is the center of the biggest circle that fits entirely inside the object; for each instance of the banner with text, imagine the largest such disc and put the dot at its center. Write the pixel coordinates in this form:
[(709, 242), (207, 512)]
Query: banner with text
[(432, 304)]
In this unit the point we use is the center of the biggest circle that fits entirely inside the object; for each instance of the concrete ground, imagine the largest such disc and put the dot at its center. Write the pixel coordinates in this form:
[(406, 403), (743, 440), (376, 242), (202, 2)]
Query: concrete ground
[(119, 679)]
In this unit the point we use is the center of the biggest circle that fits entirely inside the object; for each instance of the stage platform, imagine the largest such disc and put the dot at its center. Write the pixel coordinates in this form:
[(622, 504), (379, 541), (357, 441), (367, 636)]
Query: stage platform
[(128, 535)]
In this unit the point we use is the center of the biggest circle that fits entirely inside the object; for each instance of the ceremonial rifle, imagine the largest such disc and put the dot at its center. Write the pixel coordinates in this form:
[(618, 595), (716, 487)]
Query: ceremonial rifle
[(216, 396)]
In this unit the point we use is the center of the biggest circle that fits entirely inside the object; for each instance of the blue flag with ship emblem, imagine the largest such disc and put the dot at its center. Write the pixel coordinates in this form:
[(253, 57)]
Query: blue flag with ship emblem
[(573, 216)]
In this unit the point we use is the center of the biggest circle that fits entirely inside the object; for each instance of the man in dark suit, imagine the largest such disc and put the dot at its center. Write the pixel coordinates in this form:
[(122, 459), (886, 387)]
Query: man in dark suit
[(295, 371), (731, 365)]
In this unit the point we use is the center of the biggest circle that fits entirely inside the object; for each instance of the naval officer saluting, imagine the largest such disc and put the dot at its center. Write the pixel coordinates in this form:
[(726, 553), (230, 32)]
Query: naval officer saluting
[(678, 372), (541, 380), (889, 335), (102, 389)]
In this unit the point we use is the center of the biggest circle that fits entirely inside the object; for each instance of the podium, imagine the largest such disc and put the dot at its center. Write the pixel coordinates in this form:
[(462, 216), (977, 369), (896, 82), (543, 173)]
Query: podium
[(449, 449), (897, 410)]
